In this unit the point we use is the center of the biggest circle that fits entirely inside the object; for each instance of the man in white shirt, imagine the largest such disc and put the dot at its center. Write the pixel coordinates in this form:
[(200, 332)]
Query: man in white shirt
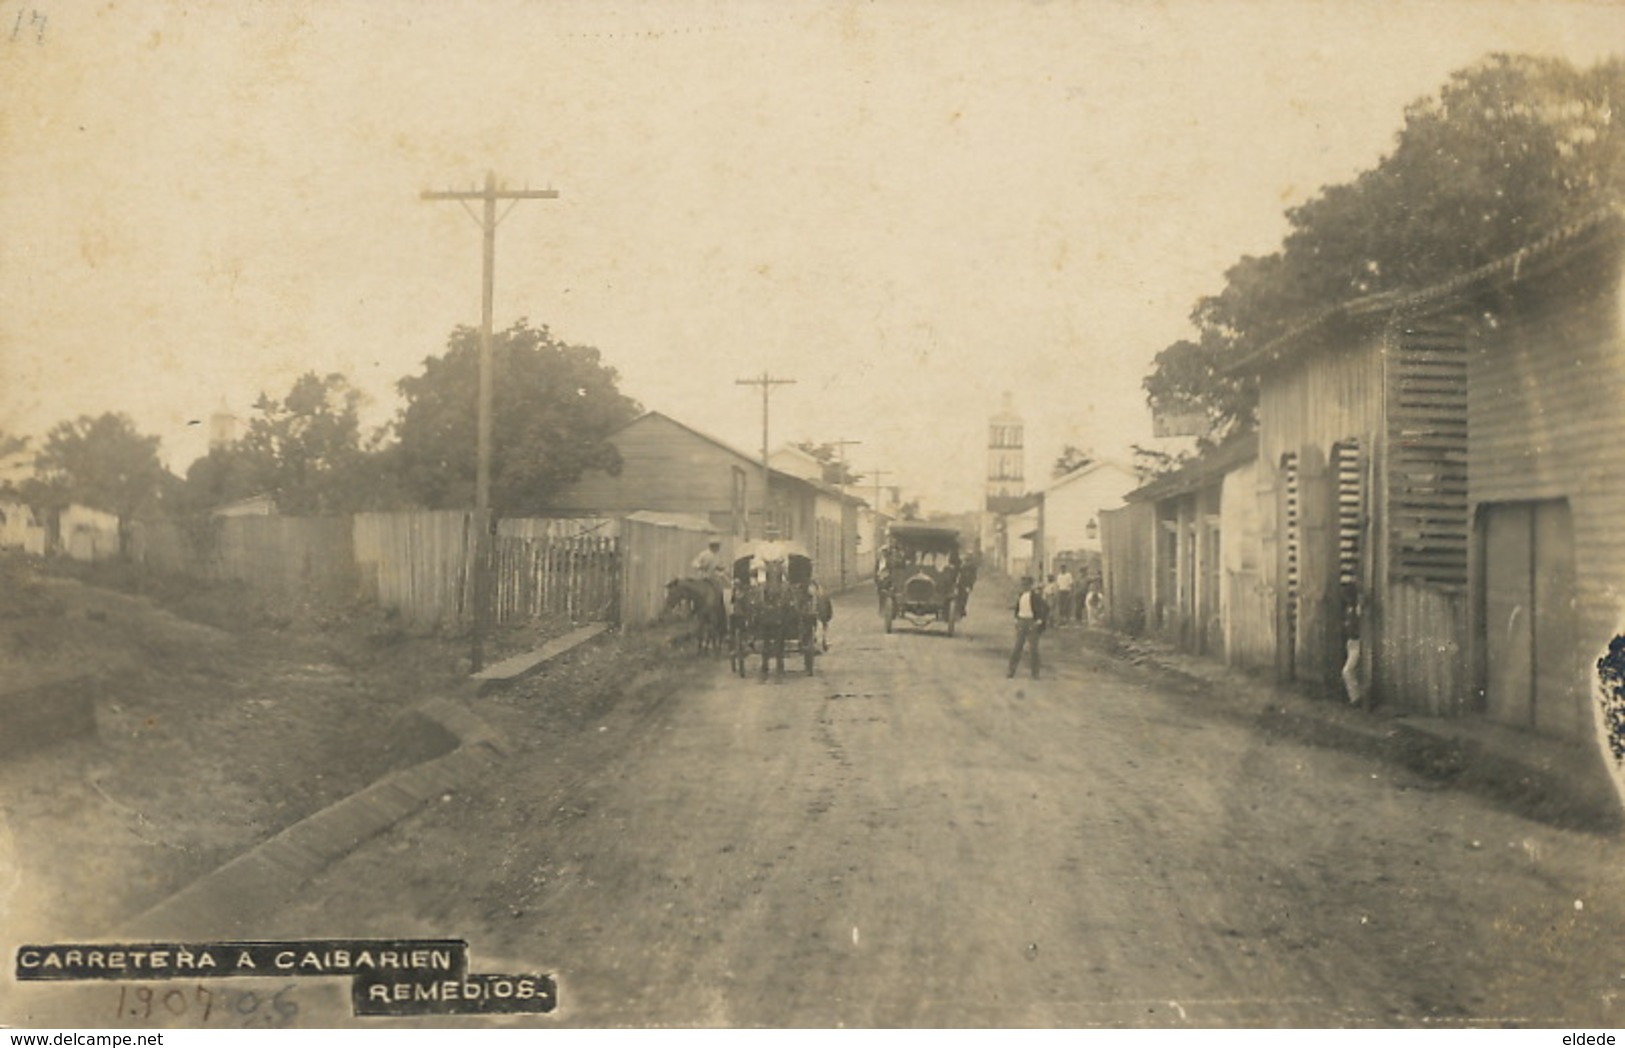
[(1064, 583), (1032, 611), (708, 560)]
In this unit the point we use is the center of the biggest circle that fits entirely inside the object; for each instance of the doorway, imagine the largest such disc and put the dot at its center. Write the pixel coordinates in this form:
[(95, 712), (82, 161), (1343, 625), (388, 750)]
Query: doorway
[(1534, 670)]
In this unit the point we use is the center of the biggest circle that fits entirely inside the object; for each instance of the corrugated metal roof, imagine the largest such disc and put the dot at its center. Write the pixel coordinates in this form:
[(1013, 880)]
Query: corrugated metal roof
[(685, 521), (1370, 310), (1199, 472)]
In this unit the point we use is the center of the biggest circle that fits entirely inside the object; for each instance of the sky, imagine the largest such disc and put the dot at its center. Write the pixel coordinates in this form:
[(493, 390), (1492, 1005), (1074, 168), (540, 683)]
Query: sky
[(910, 208)]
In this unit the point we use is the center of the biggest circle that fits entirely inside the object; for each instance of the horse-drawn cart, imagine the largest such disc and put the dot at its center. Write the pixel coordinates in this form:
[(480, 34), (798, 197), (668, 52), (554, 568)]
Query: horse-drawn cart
[(775, 610)]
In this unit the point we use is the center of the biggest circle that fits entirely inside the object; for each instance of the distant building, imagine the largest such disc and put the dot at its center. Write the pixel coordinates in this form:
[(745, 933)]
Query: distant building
[(1006, 454), (19, 529), (222, 428), (253, 506), (87, 534), (1072, 507), (668, 466), (1006, 491)]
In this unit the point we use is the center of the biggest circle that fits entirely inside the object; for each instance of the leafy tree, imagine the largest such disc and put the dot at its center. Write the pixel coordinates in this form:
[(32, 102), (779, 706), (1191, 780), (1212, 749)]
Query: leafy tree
[(1507, 150), (101, 462), (909, 510), (304, 450), (10, 445), (553, 408), (1071, 459), (836, 471), (1151, 463)]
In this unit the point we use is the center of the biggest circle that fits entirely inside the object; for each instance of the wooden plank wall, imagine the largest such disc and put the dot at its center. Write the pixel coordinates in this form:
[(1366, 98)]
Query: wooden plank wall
[(1421, 655), (417, 564), (289, 558), (653, 555), (1248, 602), (1305, 409), (1544, 405), (1126, 566)]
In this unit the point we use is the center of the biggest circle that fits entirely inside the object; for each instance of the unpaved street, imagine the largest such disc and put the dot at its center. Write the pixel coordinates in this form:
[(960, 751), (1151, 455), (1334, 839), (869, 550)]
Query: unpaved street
[(910, 839)]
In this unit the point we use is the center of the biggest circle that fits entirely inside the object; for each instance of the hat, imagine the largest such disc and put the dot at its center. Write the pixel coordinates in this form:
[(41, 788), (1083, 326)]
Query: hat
[(714, 541)]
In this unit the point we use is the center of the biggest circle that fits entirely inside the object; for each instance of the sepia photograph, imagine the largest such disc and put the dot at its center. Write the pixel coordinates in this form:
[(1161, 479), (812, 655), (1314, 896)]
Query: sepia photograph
[(812, 515)]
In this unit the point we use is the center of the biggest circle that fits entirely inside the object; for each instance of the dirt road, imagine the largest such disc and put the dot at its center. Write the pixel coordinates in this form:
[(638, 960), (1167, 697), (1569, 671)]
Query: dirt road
[(910, 839)]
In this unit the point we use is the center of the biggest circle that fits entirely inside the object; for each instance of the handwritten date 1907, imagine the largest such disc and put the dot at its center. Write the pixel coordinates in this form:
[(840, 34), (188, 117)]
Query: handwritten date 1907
[(243, 1008)]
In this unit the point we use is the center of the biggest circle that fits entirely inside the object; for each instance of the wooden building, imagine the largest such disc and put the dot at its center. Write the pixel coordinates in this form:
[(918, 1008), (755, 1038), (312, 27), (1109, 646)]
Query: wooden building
[(1546, 481), (670, 467), (1166, 567), (1447, 459), (836, 522)]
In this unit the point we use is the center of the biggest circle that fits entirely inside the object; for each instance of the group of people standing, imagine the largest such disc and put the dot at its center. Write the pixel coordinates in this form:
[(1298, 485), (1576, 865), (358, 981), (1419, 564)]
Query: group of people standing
[(1074, 598), (1062, 599)]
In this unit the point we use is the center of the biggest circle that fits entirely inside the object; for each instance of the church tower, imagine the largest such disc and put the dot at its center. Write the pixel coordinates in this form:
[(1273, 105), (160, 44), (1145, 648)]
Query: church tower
[(222, 427), (1006, 455)]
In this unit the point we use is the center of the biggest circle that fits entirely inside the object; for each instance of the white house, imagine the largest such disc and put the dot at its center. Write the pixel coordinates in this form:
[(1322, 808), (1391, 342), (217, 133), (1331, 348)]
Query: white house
[(835, 539), (1071, 510), (19, 529), (88, 534)]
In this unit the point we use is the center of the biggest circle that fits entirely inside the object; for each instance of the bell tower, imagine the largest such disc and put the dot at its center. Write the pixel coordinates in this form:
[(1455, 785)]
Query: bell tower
[(1006, 454)]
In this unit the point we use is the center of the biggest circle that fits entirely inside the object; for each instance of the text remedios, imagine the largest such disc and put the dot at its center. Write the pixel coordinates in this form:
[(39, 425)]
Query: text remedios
[(388, 976)]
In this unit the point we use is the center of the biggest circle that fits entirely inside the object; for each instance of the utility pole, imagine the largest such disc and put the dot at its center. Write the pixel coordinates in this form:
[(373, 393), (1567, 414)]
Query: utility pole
[(840, 450), (877, 474), (482, 469), (840, 447), (767, 382)]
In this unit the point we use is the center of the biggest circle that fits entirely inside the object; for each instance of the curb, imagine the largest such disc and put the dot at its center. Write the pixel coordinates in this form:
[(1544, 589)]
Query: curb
[(235, 899)]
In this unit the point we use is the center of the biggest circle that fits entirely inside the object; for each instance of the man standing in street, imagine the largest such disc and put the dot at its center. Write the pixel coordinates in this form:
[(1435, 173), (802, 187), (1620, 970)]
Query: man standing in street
[(1032, 611)]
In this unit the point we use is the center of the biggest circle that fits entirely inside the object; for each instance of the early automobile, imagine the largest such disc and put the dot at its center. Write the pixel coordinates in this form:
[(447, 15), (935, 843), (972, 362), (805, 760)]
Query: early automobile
[(920, 576)]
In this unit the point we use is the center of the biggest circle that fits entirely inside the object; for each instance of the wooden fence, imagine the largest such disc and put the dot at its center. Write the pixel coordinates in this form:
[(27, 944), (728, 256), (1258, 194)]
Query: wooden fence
[(575, 575), (417, 564), (420, 564), (290, 558)]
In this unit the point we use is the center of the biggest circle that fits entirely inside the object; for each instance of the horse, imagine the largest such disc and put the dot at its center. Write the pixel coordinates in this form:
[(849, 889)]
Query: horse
[(775, 612), (703, 602)]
